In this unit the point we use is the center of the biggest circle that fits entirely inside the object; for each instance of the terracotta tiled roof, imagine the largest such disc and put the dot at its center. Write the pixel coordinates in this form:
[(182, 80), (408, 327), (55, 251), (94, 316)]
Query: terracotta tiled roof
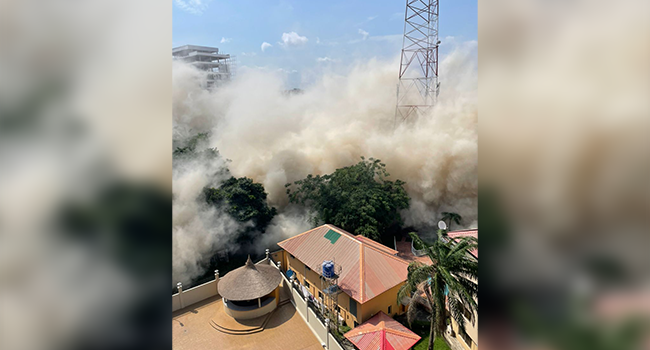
[(464, 233), (381, 332), (366, 269)]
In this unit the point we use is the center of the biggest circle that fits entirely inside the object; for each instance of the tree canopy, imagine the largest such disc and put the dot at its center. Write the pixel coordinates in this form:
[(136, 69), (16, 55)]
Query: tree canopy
[(190, 145), (357, 198), (448, 217), (243, 199), (453, 273)]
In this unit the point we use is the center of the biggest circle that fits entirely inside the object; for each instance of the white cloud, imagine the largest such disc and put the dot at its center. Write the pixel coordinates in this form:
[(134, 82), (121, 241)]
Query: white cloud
[(326, 43), (449, 40), (364, 34), (390, 37), (225, 40), (325, 59), (196, 7), (286, 71), (265, 46), (293, 39)]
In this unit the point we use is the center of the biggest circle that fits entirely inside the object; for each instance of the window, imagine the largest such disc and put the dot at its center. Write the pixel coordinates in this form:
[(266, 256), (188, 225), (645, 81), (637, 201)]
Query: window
[(353, 307), (468, 314), (465, 337), (389, 307), (306, 283)]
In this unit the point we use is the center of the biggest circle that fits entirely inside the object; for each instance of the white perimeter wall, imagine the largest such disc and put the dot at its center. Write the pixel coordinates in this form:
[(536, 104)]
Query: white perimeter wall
[(319, 329), (176, 302), (209, 289), (194, 295)]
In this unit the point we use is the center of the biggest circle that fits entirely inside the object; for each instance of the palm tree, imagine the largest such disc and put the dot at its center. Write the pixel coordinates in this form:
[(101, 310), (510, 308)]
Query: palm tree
[(449, 217), (454, 268)]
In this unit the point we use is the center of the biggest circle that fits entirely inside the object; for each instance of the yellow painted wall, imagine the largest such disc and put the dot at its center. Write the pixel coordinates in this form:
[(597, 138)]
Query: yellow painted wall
[(471, 328), (364, 311), (315, 286), (381, 303), (344, 304), (460, 339)]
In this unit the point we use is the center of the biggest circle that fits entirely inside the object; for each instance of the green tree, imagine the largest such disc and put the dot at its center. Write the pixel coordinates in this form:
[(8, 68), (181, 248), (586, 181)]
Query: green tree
[(358, 198), (191, 144), (243, 199), (449, 217), (454, 269)]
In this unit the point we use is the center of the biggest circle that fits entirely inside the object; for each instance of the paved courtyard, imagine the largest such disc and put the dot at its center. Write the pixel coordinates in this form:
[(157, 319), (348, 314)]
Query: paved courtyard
[(285, 330)]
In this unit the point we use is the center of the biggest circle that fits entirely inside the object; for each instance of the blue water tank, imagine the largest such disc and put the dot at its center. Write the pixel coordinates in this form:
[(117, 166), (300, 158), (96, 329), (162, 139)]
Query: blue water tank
[(328, 269)]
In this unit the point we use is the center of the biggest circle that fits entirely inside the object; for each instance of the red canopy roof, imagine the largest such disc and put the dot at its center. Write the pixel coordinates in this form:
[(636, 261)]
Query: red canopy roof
[(381, 332)]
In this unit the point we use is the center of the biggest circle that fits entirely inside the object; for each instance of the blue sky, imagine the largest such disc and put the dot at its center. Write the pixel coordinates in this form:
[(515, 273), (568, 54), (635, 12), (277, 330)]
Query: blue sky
[(317, 34)]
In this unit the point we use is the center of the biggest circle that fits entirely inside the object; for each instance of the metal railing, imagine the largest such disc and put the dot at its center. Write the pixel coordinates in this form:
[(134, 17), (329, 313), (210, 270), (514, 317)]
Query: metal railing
[(333, 327)]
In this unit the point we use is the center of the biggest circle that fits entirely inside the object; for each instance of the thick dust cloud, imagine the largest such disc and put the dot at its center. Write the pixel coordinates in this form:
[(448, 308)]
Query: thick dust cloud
[(276, 138)]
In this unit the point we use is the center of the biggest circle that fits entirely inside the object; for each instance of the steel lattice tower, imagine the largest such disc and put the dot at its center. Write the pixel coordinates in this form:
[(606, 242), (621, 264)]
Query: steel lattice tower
[(418, 85)]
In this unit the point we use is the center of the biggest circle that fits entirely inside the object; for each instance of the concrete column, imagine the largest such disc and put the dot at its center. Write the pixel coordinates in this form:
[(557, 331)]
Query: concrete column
[(259, 302), (216, 279), (179, 286)]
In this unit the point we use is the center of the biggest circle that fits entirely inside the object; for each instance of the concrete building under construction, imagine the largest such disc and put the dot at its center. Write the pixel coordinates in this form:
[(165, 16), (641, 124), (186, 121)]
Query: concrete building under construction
[(219, 67)]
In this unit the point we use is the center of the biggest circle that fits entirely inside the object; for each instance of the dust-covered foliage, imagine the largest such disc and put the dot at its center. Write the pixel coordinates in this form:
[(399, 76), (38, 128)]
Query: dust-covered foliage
[(357, 198)]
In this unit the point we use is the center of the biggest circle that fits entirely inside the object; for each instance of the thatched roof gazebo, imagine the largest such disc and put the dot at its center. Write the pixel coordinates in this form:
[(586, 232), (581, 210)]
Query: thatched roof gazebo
[(250, 289), (249, 281)]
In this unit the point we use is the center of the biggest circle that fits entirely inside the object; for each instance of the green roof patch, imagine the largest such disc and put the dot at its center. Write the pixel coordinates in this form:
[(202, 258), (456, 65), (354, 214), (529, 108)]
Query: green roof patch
[(332, 236)]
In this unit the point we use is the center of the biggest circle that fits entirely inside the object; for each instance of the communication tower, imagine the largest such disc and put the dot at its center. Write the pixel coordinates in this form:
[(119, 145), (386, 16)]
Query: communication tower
[(330, 273), (418, 85)]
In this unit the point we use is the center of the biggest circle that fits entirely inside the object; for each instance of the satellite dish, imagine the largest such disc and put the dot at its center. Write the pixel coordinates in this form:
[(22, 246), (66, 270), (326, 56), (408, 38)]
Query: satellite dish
[(442, 225)]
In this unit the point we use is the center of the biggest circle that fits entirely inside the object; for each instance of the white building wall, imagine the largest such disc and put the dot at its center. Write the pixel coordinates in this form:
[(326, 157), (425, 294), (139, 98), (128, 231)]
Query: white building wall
[(199, 293), (333, 344), (176, 302)]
